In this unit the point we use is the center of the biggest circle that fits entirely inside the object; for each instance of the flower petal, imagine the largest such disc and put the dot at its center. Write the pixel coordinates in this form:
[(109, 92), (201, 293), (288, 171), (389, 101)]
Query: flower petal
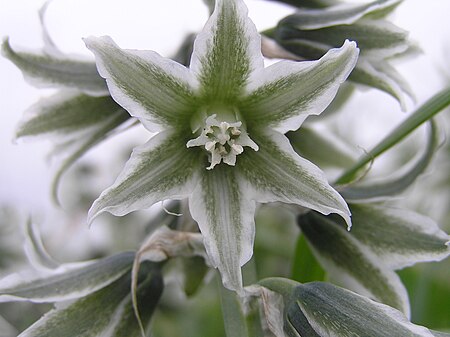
[(344, 14), (67, 283), (163, 168), (225, 216), (226, 51), (336, 312), (284, 94), (399, 237), (154, 89), (277, 173), (350, 263), (46, 70)]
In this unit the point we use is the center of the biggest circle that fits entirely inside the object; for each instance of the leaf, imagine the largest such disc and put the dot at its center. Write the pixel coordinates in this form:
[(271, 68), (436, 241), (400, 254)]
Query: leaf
[(398, 182), (45, 70), (68, 284), (305, 267), (351, 263), (107, 312), (426, 111), (321, 148)]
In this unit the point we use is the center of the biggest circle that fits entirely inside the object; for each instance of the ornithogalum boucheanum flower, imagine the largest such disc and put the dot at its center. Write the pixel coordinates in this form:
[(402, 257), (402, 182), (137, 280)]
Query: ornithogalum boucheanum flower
[(220, 128)]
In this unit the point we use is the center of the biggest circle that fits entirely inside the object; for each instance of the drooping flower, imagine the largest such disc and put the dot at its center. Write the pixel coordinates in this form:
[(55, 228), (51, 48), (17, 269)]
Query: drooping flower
[(310, 33), (220, 131)]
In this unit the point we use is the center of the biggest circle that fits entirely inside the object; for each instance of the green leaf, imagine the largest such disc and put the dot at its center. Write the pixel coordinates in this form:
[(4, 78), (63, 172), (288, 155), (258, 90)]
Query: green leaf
[(284, 94), (333, 311), (161, 169), (148, 295), (321, 148), (45, 70), (397, 183), (68, 284), (195, 271), (107, 312), (305, 267), (339, 15), (222, 207), (351, 263), (225, 53), (426, 111)]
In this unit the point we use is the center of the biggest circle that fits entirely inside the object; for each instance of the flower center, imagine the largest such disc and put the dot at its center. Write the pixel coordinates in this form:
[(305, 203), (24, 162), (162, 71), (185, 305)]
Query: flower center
[(223, 141)]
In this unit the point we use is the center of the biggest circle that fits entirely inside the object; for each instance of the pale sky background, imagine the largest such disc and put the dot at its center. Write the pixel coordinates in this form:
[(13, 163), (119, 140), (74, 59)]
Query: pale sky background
[(160, 26)]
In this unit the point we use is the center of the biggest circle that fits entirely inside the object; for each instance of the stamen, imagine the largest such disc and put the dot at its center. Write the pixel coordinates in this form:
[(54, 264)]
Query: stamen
[(223, 140)]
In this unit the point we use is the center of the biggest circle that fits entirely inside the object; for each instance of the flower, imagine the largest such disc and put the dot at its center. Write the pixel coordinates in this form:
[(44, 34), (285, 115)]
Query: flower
[(220, 128), (310, 33)]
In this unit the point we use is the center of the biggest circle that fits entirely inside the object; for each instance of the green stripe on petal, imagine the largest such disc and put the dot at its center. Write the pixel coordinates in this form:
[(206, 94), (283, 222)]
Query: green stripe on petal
[(68, 282), (226, 52), (45, 70), (277, 173), (67, 113), (399, 237), (377, 39), (163, 168), (225, 215), (154, 89), (284, 94), (349, 262), (338, 15), (336, 312)]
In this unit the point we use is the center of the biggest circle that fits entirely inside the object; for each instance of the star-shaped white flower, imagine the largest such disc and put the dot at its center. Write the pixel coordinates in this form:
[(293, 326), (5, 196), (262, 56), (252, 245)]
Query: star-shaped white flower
[(220, 131)]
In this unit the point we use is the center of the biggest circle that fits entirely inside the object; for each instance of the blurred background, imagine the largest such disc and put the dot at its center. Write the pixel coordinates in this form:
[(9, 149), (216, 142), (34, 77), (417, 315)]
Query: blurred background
[(25, 169)]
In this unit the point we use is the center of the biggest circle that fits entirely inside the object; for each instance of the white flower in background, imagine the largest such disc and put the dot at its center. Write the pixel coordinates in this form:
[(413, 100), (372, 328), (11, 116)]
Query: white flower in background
[(220, 128)]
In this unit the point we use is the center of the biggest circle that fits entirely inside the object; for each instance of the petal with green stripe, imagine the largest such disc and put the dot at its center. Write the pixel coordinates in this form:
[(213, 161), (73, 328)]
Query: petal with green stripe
[(67, 283), (225, 215), (336, 312), (277, 173), (163, 168), (45, 70), (226, 51), (344, 14), (399, 237), (352, 264), (154, 89), (284, 94)]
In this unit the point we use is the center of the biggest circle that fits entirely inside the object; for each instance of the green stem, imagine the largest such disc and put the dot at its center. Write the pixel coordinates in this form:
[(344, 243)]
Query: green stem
[(430, 108), (233, 317)]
